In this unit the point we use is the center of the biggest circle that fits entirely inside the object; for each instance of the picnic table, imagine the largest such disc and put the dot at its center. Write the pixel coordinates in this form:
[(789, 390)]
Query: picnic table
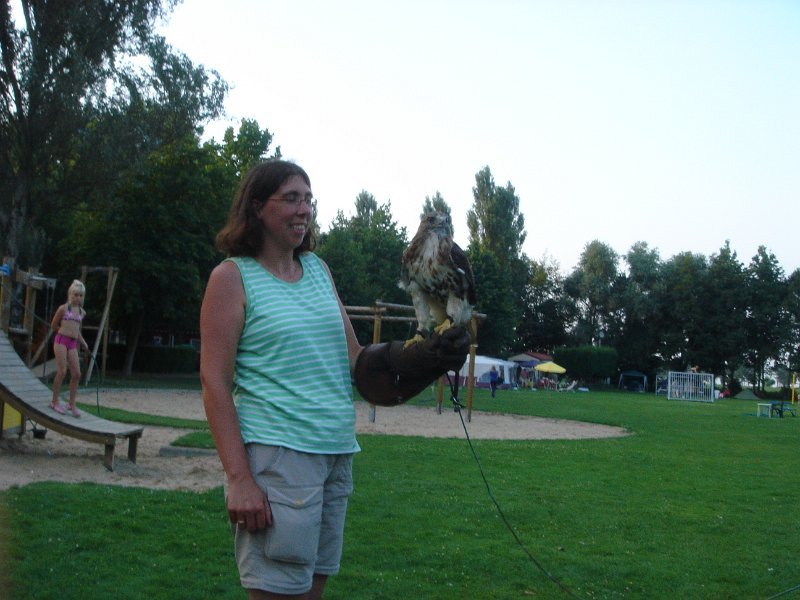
[(782, 406)]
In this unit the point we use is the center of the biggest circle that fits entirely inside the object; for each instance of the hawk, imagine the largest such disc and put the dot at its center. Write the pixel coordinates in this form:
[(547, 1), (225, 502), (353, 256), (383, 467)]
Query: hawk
[(437, 274)]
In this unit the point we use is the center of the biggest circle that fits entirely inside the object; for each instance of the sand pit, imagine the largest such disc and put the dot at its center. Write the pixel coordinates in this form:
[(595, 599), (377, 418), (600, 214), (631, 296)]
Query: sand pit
[(60, 458)]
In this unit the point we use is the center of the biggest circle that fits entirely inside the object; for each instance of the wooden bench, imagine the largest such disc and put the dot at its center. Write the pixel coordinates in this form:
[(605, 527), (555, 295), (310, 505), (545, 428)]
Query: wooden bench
[(21, 390)]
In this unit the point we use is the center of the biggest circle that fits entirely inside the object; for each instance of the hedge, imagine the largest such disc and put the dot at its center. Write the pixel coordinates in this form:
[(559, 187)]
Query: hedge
[(588, 363)]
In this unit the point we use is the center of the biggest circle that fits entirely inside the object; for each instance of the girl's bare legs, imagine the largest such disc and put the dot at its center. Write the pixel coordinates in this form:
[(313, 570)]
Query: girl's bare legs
[(74, 378), (61, 370)]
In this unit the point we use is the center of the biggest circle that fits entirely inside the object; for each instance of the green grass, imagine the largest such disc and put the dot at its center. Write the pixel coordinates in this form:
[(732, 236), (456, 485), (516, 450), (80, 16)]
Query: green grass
[(188, 381), (700, 502), (126, 416)]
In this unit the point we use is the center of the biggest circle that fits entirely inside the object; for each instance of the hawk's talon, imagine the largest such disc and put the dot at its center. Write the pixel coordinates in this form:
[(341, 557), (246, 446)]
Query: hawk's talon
[(443, 326), (414, 340)]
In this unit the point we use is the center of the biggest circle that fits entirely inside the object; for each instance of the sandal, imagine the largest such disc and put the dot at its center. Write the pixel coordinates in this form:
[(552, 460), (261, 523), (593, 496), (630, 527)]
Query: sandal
[(75, 412), (58, 408)]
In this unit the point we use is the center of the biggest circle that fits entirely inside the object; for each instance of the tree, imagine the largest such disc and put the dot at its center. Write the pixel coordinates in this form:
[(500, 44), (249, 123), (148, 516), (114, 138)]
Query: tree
[(339, 248), (590, 285), (548, 311), (681, 317), (792, 356), (364, 255), (497, 232), (724, 309), (158, 227), (494, 221), (66, 75), (243, 149), (495, 299), (435, 204), (636, 310), (768, 320)]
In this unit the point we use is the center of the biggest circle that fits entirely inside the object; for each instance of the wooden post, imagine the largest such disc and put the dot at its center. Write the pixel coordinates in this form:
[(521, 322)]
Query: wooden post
[(473, 331), (376, 338), (29, 315), (110, 284), (6, 290), (112, 280)]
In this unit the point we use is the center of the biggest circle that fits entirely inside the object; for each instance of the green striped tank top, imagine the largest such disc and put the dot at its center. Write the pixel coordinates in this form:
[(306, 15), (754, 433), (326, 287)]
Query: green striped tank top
[(292, 379)]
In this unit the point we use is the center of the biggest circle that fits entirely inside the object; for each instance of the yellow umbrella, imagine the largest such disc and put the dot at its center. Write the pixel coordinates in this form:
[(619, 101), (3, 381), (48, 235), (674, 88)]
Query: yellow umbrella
[(550, 367)]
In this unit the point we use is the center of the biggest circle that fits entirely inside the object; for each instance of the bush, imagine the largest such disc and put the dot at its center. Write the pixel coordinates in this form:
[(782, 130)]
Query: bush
[(157, 359), (734, 386), (165, 359), (588, 363)]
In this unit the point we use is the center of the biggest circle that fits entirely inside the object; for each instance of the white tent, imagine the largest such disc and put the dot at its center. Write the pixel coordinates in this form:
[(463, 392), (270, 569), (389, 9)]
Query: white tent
[(483, 364)]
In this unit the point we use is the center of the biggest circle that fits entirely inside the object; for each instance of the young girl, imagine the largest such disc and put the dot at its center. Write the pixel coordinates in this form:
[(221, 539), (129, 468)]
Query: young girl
[(67, 325)]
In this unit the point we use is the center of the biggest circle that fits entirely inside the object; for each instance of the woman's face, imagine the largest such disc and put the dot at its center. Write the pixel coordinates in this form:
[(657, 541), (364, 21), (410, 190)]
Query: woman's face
[(76, 297), (286, 215)]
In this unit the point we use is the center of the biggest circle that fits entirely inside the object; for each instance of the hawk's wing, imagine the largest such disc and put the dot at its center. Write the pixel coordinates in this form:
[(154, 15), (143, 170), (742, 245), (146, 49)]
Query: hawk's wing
[(460, 262)]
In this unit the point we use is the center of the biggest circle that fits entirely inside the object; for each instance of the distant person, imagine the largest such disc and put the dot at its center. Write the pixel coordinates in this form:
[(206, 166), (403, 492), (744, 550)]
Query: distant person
[(286, 436), (494, 377), (67, 325)]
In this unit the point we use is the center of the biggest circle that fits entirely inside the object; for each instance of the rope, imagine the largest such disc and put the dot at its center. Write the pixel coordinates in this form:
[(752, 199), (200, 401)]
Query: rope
[(457, 406), (783, 593), (35, 316), (97, 386)]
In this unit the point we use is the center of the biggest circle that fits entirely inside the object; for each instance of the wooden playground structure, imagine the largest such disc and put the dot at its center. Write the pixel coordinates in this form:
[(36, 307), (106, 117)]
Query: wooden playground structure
[(387, 312), (23, 397), (25, 332)]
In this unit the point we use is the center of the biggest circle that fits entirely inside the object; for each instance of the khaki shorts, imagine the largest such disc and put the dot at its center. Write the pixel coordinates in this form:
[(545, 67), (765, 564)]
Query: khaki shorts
[(308, 496)]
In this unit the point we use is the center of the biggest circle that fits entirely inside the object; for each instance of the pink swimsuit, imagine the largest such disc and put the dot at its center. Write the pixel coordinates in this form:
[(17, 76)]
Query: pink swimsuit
[(66, 341)]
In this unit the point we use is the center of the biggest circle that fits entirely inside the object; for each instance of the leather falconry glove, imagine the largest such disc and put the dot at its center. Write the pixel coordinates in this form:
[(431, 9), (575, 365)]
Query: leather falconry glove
[(389, 374)]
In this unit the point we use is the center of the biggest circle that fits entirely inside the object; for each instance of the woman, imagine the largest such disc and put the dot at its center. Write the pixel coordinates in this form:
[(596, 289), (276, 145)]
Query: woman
[(277, 353), (67, 325)]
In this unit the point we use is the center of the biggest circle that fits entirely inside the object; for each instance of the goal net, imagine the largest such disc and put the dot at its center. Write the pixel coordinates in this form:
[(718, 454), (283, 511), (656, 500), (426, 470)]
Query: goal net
[(698, 387)]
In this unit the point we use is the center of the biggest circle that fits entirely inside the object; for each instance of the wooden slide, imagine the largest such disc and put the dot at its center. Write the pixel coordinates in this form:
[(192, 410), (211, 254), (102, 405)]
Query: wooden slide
[(31, 398)]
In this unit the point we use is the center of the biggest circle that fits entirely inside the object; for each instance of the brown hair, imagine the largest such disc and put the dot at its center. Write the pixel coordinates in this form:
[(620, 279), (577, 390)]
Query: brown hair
[(243, 234)]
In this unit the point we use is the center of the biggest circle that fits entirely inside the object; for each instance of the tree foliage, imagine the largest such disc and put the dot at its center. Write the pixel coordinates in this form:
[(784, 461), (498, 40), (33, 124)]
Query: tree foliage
[(496, 234), (792, 354), (636, 310), (73, 81), (768, 320), (547, 313), (590, 285), (724, 307), (435, 203), (494, 221), (364, 254), (588, 363)]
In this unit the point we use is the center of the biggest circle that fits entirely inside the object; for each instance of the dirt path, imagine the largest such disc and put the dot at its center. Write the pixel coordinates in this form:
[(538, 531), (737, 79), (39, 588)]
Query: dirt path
[(60, 458)]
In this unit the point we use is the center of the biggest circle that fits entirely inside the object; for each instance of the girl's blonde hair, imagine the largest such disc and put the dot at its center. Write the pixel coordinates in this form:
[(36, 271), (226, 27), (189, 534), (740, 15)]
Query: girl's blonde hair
[(76, 286)]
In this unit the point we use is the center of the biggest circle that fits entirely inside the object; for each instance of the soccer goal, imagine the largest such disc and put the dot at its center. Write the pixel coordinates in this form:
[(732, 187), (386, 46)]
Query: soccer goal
[(697, 387)]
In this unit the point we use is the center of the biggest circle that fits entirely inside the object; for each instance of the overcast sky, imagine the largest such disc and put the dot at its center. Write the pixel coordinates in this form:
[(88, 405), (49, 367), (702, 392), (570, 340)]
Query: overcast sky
[(672, 122)]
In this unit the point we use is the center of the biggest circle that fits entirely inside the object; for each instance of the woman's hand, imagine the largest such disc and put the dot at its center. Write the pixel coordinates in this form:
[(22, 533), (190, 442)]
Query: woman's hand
[(248, 505)]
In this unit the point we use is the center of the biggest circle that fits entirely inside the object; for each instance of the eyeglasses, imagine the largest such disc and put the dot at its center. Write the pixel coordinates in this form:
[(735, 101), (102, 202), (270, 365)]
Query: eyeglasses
[(295, 199)]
